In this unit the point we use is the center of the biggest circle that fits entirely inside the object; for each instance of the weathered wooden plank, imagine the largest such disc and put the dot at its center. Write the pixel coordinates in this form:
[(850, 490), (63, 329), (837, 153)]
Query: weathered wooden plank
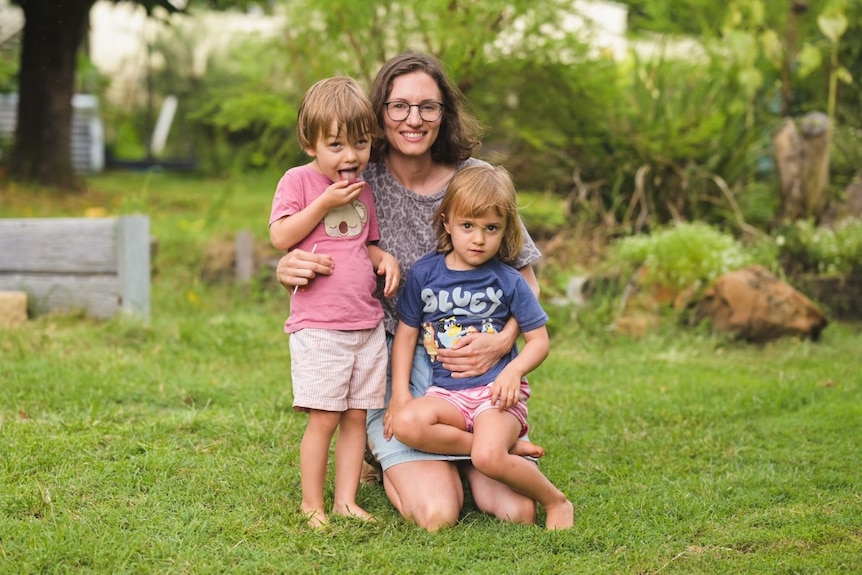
[(58, 245), (98, 265), (97, 295)]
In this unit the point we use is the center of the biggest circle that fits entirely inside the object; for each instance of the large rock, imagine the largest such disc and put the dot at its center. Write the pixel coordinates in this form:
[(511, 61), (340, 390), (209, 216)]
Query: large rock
[(755, 305)]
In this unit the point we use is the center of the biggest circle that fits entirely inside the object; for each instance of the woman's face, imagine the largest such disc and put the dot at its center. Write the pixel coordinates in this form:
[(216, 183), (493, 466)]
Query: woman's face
[(412, 136)]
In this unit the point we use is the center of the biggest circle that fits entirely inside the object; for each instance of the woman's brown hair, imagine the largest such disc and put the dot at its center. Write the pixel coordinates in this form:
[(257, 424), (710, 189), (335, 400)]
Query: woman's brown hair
[(459, 129)]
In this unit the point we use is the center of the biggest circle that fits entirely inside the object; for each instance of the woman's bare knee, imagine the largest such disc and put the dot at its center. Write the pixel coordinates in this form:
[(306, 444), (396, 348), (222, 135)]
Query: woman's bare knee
[(429, 493), (499, 500), (435, 514), (516, 510)]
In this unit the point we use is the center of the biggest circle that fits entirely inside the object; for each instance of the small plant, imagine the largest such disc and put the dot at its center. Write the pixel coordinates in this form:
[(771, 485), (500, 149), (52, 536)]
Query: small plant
[(821, 250), (683, 256)]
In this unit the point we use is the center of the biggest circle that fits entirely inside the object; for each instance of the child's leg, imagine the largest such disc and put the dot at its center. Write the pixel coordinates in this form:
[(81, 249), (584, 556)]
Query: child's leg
[(349, 453), (494, 433), (313, 457), (434, 425)]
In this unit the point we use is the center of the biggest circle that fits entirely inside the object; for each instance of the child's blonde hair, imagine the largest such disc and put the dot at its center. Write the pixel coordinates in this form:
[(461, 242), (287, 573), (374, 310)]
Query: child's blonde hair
[(339, 99), (472, 193)]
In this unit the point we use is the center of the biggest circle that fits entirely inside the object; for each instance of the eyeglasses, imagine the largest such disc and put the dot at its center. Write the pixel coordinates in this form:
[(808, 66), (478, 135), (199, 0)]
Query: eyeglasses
[(429, 111)]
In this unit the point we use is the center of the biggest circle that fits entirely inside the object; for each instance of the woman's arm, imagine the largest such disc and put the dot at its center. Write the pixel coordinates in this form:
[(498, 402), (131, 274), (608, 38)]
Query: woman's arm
[(530, 275), (476, 353)]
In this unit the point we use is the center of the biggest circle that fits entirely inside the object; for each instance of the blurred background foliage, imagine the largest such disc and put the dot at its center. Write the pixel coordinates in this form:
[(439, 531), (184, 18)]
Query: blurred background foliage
[(679, 132)]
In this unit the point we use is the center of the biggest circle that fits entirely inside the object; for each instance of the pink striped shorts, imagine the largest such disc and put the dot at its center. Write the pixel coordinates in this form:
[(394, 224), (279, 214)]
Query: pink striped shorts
[(471, 402)]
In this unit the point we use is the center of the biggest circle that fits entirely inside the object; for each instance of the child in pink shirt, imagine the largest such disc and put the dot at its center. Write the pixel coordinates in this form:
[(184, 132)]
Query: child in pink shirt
[(337, 342)]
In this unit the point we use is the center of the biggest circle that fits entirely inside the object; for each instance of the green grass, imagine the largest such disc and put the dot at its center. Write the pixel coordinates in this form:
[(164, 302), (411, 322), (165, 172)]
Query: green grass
[(172, 447)]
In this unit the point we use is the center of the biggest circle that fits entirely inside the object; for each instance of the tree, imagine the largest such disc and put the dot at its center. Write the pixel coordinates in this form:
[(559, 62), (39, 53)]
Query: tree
[(54, 31), (255, 111)]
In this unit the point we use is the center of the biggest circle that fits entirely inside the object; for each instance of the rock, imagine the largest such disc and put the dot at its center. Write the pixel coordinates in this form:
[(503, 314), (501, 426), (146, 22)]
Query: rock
[(755, 305)]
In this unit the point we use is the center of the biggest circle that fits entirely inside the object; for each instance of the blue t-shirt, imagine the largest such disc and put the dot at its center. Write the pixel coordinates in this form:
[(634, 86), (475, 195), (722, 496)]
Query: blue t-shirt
[(446, 304)]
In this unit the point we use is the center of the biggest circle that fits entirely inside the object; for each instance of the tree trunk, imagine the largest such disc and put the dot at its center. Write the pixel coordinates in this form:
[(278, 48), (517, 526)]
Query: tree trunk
[(802, 155), (53, 33), (791, 38), (815, 130), (787, 144)]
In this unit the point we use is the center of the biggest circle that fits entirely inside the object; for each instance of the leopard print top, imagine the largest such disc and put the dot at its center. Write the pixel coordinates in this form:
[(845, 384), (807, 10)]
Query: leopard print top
[(404, 218)]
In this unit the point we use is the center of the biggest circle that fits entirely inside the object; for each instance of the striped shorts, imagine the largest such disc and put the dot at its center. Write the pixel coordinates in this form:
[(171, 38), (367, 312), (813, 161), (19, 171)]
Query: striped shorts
[(336, 370), (471, 402)]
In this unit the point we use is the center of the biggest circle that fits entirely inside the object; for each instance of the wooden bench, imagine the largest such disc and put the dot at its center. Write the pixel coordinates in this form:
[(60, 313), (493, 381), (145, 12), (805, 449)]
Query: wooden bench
[(98, 265)]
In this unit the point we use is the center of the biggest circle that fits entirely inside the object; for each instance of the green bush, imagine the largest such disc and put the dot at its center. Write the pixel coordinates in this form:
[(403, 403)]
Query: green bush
[(631, 143), (683, 256), (837, 251)]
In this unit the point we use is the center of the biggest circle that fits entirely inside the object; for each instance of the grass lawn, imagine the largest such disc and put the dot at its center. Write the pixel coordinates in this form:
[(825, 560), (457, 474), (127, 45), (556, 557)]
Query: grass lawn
[(172, 447)]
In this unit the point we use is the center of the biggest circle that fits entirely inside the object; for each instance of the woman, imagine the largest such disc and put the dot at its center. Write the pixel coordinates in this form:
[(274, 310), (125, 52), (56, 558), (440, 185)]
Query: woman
[(427, 136)]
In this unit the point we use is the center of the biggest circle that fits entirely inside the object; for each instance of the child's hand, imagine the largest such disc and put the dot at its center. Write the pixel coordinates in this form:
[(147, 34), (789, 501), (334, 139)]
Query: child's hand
[(506, 390), (395, 404), (389, 268), (341, 193)]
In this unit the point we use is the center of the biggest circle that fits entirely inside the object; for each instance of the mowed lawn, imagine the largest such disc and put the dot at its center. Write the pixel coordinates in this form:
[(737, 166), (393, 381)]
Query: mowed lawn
[(172, 447)]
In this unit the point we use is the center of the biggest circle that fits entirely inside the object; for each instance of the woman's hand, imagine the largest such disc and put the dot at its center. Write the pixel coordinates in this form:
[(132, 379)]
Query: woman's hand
[(297, 268), (476, 353)]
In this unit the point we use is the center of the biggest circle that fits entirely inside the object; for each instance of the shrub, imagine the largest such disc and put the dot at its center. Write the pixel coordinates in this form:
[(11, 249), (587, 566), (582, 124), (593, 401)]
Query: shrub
[(837, 251), (682, 256)]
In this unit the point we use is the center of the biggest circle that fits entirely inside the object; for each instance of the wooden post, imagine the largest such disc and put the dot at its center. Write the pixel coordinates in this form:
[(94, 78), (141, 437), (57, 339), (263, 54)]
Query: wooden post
[(815, 166), (133, 265), (803, 166), (788, 150), (244, 256)]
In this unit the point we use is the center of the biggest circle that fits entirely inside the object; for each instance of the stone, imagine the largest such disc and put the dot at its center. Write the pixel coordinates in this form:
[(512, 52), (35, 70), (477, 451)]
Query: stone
[(755, 305)]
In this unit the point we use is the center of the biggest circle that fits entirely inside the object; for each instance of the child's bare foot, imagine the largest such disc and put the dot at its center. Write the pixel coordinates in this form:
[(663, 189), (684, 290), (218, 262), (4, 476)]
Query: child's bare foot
[(560, 516), (315, 517), (525, 448), (352, 510)]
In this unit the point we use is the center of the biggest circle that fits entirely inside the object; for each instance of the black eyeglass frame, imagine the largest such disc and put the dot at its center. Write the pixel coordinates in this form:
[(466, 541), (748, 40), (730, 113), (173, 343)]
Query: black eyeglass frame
[(417, 106)]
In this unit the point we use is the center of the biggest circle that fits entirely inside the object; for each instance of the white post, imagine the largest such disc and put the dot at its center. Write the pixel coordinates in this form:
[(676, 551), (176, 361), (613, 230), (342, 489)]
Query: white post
[(133, 262)]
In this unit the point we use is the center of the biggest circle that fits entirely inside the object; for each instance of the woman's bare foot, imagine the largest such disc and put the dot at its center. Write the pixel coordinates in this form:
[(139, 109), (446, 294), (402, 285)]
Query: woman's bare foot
[(315, 517), (525, 448), (560, 516), (352, 510)]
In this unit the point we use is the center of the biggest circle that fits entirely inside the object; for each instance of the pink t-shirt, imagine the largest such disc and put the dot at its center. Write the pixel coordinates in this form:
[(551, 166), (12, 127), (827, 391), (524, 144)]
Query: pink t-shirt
[(344, 300)]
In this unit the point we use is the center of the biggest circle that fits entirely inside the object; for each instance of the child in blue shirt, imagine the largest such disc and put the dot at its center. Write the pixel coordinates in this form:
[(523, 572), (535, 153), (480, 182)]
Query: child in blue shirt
[(466, 287)]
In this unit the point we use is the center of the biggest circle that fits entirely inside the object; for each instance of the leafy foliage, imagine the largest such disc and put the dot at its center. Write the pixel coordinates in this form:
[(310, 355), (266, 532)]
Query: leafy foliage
[(835, 251), (682, 256), (466, 36), (678, 134)]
